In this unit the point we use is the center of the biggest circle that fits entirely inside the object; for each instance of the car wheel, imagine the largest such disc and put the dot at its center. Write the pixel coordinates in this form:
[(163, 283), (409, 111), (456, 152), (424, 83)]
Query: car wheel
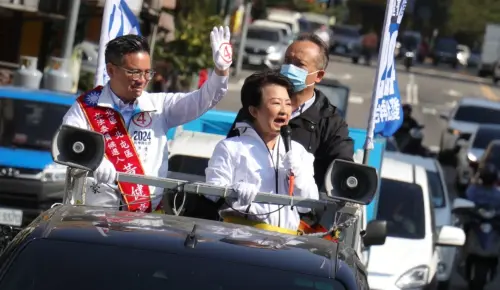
[(495, 80), (355, 60), (482, 73)]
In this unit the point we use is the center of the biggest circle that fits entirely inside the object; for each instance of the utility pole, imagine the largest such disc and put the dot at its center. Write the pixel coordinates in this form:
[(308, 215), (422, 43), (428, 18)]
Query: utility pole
[(69, 33), (243, 40)]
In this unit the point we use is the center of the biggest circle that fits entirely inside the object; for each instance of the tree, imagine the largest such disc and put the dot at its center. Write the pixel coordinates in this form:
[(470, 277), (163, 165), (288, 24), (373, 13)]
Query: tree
[(190, 52), (472, 16)]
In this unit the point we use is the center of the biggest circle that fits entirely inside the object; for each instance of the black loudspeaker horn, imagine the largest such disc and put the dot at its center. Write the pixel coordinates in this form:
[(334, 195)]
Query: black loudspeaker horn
[(351, 182), (78, 148)]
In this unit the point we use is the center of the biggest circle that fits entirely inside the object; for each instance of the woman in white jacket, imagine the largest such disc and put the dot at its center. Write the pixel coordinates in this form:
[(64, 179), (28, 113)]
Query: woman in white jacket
[(256, 161)]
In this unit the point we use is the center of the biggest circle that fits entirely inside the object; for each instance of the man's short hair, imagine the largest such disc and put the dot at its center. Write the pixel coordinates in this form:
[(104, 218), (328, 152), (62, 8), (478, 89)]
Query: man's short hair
[(322, 63), (251, 91), (123, 45)]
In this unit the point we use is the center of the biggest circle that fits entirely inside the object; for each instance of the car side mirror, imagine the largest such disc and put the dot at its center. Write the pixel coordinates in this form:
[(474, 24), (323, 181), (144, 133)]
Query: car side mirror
[(375, 233), (450, 236)]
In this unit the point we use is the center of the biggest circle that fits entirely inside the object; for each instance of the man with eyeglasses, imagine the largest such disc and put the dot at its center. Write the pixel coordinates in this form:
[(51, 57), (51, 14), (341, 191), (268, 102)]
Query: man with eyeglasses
[(134, 122)]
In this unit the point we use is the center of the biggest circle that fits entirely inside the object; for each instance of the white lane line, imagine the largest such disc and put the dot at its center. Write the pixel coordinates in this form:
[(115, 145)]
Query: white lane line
[(429, 111), (354, 99), (434, 148), (412, 90)]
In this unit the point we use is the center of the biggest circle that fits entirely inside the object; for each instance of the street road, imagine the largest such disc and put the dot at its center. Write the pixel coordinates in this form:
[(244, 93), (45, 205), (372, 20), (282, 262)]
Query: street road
[(431, 90)]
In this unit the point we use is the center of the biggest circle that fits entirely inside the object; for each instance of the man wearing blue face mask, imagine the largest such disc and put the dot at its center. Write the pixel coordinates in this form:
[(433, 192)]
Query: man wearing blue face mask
[(315, 123)]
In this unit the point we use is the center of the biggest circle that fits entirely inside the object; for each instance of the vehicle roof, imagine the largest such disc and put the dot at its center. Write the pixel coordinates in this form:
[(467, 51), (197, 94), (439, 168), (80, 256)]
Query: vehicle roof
[(402, 168), (316, 17), (262, 27), (428, 164), (479, 102), (41, 95), (192, 143), (270, 23), (168, 233)]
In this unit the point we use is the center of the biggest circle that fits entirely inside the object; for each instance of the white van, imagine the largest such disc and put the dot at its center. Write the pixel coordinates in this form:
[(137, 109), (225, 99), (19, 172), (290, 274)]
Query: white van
[(410, 256), (285, 28), (290, 18)]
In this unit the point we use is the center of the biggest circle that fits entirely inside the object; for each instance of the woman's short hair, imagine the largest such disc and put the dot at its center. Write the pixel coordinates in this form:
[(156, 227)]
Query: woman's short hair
[(251, 91)]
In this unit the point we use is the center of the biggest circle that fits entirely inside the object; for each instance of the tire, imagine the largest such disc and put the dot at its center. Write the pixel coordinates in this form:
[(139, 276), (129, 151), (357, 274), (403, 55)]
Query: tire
[(482, 73), (355, 60)]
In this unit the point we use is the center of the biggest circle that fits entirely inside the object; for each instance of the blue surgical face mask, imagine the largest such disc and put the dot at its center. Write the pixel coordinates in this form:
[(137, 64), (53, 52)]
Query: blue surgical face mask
[(297, 76)]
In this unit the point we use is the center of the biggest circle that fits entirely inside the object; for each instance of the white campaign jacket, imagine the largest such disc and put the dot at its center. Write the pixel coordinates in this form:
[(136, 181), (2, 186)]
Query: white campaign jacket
[(246, 158), (164, 111)]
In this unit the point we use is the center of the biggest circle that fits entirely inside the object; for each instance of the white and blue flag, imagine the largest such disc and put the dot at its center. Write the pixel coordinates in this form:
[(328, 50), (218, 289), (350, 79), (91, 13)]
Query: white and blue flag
[(117, 20), (386, 113)]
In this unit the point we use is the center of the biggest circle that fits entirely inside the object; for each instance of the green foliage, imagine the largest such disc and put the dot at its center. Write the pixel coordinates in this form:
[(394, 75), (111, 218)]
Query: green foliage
[(190, 51), (472, 16), (86, 81)]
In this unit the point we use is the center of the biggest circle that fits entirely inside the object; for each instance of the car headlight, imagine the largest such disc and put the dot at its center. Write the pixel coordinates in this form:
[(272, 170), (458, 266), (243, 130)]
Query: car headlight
[(271, 49), (54, 173), (416, 277), (409, 54), (471, 157)]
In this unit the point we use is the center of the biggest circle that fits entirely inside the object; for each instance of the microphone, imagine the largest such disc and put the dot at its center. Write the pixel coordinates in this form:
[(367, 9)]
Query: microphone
[(286, 134)]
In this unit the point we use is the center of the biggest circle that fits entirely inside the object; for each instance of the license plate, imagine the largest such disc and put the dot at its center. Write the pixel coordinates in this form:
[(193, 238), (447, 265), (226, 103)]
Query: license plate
[(11, 217), (254, 60), (340, 49)]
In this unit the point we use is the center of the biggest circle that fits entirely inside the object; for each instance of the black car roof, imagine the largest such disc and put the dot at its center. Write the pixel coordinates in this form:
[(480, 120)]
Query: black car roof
[(166, 233)]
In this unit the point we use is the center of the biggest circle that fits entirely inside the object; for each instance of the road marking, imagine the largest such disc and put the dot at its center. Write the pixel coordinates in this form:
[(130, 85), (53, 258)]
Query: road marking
[(354, 99), (434, 149), (488, 93), (412, 90), (453, 93), (429, 111)]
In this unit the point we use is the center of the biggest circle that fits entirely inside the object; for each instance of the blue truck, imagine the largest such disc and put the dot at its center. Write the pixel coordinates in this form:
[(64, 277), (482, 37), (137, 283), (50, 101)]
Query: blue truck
[(29, 180)]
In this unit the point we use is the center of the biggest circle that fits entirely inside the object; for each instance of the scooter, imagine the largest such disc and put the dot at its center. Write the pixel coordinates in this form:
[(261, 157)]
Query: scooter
[(412, 144), (482, 247), (409, 59)]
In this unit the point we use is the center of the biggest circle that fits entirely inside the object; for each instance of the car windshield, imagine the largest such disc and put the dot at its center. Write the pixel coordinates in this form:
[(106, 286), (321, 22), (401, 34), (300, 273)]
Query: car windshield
[(263, 34), (188, 164), (492, 155), (447, 44), (409, 42), (484, 137), (474, 114), (344, 31), (401, 204), (336, 95), (29, 124), (436, 188), (60, 265)]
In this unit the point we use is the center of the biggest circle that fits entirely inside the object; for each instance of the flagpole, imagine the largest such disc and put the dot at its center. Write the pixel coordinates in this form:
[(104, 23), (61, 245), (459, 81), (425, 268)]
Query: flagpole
[(389, 11), (99, 75)]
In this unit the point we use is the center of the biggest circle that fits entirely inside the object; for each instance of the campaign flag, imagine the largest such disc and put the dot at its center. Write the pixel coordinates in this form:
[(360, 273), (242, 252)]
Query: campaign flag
[(386, 113), (117, 20)]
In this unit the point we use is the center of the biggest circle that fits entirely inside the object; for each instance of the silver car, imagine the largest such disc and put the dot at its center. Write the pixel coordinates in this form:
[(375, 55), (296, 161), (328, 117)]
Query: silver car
[(463, 121), (265, 46), (471, 151)]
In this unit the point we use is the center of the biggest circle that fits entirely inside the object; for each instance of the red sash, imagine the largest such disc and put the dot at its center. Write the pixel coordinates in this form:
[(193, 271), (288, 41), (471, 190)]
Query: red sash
[(120, 149)]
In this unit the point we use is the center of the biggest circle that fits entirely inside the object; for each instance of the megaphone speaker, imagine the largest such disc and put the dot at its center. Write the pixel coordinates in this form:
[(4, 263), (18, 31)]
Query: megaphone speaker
[(351, 182), (78, 148)]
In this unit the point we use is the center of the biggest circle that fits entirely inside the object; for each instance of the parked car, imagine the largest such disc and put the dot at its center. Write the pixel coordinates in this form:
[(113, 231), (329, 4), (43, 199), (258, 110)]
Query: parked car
[(346, 40), (29, 180), (442, 204), (462, 121), (410, 257), (471, 152), (265, 46), (445, 50)]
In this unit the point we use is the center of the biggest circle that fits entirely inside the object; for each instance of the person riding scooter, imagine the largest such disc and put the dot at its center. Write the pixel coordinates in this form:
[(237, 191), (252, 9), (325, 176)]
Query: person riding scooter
[(408, 123), (483, 189)]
